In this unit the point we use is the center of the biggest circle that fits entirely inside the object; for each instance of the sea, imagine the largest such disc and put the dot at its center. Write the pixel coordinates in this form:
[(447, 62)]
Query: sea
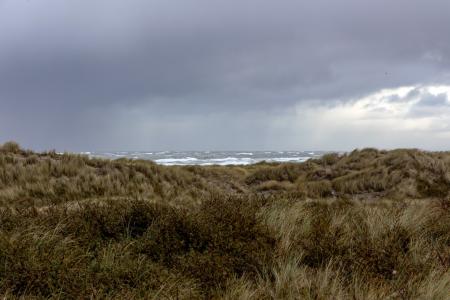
[(207, 158)]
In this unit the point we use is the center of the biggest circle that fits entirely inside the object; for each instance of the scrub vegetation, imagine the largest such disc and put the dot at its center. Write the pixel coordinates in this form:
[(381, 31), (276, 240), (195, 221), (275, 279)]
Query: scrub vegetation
[(368, 224)]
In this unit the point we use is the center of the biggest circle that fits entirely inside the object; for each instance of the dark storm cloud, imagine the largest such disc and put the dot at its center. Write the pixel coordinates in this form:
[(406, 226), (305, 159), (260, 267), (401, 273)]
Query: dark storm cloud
[(60, 60)]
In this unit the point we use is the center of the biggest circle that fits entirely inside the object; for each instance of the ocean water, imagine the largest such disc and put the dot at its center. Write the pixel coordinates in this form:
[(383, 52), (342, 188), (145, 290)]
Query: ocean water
[(205, 158)]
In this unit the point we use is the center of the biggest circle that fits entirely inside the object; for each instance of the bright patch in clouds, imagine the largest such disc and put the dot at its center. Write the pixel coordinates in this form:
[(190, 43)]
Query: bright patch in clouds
[(411, 116)]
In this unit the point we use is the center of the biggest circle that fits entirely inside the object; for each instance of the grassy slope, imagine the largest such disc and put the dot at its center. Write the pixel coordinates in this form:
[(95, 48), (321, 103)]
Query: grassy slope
[(367, 225)]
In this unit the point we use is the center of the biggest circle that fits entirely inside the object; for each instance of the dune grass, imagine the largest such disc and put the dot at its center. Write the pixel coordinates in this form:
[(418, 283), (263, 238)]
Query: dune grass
[(365, 225)]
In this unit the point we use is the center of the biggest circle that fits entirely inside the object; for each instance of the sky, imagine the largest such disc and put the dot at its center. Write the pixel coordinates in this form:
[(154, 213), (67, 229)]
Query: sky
[(92, 75)]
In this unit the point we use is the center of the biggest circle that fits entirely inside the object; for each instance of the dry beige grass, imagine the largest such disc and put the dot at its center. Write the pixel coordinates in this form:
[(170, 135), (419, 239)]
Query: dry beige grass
[(367, 225)]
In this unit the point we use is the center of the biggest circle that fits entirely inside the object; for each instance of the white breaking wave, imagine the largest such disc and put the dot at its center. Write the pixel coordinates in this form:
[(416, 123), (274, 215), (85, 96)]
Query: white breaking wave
[(230, 161), (244, 153), (288, 159), (176, 161)]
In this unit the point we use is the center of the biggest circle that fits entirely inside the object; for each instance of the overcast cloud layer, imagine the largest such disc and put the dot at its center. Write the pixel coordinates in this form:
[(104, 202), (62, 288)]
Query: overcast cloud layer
[(198, 74)]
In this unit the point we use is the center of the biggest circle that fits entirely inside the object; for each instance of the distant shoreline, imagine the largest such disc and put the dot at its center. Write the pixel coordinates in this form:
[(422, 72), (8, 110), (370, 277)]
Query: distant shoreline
[(208, 158)]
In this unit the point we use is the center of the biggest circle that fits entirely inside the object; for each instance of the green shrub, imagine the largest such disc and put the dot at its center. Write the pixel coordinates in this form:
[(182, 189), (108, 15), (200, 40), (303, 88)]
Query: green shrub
[(223, 239)]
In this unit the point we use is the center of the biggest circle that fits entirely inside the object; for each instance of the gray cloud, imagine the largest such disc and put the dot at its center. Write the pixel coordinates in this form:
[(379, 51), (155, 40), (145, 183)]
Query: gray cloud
[(60, 61), (430, 105), (429, 100)]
